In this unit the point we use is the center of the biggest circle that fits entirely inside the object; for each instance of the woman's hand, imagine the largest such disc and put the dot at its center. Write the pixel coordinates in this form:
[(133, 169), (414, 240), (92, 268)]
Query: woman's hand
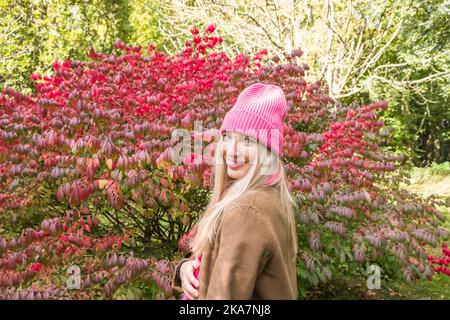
[(189, 283)]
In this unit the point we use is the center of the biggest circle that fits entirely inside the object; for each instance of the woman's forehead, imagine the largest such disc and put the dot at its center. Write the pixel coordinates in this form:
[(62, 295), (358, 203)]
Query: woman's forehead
[(235, 133)]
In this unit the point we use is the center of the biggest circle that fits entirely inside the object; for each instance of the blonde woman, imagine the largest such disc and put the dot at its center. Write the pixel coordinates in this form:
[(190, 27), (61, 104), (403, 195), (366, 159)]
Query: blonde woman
[(245, 243)]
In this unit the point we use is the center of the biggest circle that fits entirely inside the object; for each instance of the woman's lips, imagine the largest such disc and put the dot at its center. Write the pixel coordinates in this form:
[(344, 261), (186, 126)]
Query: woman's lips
[(235, 166)]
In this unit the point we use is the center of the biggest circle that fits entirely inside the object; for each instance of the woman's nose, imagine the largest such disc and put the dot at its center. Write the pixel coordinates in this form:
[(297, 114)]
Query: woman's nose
[(234, 143), (232, 147), (234, 151)]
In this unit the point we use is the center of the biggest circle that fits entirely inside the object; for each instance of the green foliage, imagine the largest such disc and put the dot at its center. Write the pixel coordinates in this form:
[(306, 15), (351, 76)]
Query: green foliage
[(414, 79), (33, 34), (144, 20)]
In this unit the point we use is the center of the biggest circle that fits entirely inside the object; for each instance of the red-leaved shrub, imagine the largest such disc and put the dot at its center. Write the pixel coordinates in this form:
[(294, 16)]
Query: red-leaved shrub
[(87, 174)]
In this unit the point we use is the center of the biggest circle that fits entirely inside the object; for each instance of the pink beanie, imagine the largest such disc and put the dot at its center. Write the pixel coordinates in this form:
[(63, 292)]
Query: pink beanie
[(259, 112)]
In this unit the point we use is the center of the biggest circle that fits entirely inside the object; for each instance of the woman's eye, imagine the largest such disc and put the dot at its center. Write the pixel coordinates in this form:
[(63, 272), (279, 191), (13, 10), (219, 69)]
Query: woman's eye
[(248, 140), (226, 136)]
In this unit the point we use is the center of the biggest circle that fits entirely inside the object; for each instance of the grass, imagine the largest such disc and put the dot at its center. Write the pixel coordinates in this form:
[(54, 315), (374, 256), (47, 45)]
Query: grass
[(350, 289), (436, 289), (431, 180)]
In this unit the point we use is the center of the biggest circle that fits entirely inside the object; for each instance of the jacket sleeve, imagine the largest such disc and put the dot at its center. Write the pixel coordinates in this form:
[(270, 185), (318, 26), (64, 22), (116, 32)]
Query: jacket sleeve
[(244, 249)]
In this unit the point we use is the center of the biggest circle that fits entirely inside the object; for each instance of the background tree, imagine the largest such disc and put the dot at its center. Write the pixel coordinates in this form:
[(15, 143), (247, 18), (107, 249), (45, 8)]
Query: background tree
[(33, 34), (414, 76), (363, 50)]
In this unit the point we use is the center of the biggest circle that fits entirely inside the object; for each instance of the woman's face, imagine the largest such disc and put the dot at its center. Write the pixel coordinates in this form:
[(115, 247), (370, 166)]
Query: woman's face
[(239, 152)]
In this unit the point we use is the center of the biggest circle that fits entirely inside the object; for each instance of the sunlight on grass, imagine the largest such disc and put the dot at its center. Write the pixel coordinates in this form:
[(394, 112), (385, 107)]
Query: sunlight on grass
[(431, 180)]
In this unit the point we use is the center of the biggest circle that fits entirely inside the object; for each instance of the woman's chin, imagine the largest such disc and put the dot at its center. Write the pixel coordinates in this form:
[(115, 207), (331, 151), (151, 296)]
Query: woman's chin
[(235, 174)]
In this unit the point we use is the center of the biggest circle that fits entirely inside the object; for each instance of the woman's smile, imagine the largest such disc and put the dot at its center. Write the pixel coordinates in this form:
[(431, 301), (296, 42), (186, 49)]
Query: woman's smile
[(239, 152), (235, 166)]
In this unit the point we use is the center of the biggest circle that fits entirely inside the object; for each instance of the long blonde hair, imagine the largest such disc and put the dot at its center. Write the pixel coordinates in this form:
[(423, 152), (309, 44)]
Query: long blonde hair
[(224, 194)]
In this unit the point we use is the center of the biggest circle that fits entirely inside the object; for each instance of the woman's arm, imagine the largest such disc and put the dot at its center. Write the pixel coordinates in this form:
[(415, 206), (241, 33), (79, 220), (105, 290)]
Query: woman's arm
[(245, 247)]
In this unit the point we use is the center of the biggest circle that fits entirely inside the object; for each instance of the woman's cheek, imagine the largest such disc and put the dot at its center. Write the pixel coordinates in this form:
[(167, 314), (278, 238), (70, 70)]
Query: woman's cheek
[(246, 168), (251, 154), (223, 149)]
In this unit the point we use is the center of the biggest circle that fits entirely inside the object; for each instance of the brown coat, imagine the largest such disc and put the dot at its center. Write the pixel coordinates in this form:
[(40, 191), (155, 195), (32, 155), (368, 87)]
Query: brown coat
[(249, 258)]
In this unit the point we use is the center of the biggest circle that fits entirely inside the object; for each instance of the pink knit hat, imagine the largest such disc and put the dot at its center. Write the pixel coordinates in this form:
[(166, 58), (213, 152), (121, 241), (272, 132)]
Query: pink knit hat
[(259, 112)]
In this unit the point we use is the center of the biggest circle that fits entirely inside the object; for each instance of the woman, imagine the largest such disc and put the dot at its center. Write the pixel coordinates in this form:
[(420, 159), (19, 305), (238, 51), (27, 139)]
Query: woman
[(246, 239)]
